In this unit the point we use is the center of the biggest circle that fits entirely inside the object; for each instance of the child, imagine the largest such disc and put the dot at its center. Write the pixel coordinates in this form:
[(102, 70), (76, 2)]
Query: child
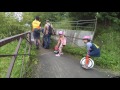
[(92, 49), (61, 43)]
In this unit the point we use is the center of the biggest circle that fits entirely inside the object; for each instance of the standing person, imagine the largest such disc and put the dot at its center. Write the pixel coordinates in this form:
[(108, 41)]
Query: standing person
[(48, 31), (61, 43), (36, 26), (92, 49)]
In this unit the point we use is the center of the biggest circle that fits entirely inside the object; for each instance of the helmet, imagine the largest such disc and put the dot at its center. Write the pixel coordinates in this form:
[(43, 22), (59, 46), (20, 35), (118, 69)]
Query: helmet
[(86, 38), (60, 33)]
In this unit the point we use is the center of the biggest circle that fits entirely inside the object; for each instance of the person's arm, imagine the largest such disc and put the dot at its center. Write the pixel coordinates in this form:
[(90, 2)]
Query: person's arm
[(58, 42), (53, 32), (45, 28), (39, 27), (88, 47)]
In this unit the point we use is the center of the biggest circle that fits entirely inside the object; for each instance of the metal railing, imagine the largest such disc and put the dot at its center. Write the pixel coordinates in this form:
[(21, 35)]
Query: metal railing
[(76, 25), (76, 35), (19, 37)]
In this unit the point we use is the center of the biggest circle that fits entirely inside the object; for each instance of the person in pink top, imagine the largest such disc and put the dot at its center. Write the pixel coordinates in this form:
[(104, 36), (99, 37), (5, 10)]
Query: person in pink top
[(61, 42)]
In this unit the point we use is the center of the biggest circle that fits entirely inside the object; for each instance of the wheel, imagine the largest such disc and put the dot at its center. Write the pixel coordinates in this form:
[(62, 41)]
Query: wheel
[(56, 52), (91, 62)]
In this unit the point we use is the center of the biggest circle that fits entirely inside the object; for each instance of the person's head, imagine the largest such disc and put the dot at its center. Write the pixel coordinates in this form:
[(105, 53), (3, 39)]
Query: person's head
[(37, 18), (86, 39), (47, 21), (61, 33)]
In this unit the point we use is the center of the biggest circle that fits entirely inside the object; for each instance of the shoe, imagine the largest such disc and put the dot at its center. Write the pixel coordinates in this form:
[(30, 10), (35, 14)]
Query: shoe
[(57, 55)]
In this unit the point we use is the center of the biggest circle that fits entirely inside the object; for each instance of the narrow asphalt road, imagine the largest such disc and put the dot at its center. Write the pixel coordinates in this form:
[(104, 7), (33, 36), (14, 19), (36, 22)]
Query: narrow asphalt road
[(65, 66)]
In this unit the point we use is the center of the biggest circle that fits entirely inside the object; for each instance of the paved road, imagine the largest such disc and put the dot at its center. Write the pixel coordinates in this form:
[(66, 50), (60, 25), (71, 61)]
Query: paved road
[(50, 66)]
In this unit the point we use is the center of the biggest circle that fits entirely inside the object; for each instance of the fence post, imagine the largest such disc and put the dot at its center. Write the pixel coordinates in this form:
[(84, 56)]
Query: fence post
[(30, 38), (13, 59), (95, 27), (30, 45)]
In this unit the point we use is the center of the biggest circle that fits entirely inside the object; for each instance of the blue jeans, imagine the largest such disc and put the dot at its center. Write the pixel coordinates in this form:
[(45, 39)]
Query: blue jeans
[(46, 41)]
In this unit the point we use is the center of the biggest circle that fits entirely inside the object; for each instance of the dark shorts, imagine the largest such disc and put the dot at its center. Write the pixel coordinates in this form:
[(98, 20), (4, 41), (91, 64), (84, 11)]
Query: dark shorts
[(36, 34), (95, 53)]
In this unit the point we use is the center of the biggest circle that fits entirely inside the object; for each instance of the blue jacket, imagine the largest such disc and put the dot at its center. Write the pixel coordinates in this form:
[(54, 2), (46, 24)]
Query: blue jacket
[(93, 49)]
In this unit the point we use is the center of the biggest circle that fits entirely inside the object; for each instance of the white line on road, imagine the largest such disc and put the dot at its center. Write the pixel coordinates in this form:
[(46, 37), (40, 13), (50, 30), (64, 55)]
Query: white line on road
[(46, 53)]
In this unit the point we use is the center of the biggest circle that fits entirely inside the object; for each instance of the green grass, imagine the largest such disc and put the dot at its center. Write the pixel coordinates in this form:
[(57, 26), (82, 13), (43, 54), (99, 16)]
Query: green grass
[(110, 49), (5, 61), (33, 61), (62, 24), (74, 50)]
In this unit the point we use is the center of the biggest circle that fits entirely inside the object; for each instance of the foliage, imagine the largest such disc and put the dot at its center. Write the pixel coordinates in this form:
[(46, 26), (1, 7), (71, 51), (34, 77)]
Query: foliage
[(9, 26), (82, 15), (109, 35), (63, 24), (109, 48), (5, 61), (104, 18)]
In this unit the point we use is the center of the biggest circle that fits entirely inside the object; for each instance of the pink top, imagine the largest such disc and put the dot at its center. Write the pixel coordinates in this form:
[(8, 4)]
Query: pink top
[(63, 40)]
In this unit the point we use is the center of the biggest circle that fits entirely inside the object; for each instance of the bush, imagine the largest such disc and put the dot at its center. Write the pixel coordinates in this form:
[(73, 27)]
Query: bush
[(110, 49), (5, 61)]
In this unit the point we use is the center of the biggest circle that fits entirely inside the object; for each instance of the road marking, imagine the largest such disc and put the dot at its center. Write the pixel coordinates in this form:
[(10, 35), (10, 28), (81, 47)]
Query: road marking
[(46, 53)]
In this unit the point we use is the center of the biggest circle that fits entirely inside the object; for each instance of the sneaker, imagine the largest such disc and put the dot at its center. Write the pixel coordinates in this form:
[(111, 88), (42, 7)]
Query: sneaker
[(57, 55)]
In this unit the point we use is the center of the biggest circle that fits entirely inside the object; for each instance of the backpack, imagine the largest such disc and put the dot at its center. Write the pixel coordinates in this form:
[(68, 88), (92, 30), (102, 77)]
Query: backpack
[(96, 45), (50, 31)]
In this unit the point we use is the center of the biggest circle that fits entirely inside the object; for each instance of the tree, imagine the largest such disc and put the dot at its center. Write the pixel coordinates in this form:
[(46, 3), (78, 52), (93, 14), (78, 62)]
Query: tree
[(82, 15)]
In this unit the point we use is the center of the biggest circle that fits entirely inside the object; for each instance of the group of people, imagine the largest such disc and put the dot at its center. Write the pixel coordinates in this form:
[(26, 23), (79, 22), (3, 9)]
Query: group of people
[(92, 49), (47, 32), (36, 29)]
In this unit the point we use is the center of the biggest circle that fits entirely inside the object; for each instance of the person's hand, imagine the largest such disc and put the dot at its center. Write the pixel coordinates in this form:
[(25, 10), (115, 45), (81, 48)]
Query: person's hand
[(88, 55), (56, 46)]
